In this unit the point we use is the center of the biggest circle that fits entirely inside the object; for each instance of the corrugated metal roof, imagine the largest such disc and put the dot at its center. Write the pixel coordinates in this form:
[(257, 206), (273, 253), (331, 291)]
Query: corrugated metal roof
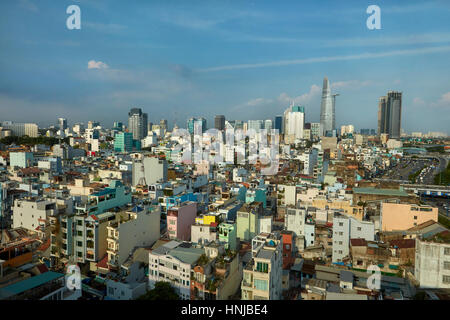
[(29, 283)]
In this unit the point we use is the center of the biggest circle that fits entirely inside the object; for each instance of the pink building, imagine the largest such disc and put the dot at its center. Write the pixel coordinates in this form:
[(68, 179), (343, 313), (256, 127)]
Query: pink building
[(403, 216), (180, 219)]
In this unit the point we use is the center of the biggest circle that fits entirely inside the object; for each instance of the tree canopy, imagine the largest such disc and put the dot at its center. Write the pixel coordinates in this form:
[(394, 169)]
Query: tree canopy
[(162, 291)]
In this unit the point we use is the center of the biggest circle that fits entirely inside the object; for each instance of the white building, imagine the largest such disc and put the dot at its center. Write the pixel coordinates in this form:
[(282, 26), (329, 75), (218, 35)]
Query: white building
[(432, 264), (201, 233), (152, 168), (142, 228), (30, 213), (262, 276), (295, 221), (173, 262), (346, 228)]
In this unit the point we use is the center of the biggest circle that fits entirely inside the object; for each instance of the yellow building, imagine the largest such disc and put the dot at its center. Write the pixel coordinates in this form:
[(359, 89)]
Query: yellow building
[(207, 219)]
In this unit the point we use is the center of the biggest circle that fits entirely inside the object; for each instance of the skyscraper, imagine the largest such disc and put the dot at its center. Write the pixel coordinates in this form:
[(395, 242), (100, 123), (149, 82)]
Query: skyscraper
[(137, 123), (163, 124), (123, 142), (279, 124), (294, 119), (62, 124), (193, 122), (219, 122), (390, 114), (327, 113)]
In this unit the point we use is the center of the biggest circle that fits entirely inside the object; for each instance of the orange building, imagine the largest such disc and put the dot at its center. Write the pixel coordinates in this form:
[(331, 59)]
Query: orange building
[(403, 216)]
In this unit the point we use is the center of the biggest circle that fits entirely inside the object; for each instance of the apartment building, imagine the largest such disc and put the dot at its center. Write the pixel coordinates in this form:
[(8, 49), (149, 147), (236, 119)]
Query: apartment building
[(346, 228), (180, 218), (403, 216), (173, 262), (432, 262), (247, 221), (203, 233), (152, 169), (115, 195), (295, 220), (140, 227), (31, 213), (262, 276), (228, 235)]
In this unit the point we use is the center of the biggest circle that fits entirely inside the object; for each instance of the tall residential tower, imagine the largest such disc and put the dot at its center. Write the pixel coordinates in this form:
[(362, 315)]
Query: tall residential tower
[(390, 114), (137, 123)]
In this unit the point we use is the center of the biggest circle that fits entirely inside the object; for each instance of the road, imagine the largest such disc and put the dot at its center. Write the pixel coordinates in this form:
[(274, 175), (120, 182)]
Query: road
[(443, 205)]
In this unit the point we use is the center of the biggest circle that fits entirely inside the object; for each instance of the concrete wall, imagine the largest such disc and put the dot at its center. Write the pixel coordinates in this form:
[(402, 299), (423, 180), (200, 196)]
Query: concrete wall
[(397, 216), (430, 266)]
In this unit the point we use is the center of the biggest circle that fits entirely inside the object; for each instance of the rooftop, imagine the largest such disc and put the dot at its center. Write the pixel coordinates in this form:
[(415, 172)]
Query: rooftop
[(30, 283), (378, 191)]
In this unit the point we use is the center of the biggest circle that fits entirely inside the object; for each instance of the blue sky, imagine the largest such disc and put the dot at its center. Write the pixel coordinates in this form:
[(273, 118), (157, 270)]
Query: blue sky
[(243, 59)]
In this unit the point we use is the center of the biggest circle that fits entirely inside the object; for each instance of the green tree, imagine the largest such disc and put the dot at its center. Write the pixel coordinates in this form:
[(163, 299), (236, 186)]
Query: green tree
[(162, 291)]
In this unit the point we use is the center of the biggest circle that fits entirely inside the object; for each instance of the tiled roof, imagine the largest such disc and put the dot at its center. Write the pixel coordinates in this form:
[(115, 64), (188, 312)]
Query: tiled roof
[(403, 243), (358, 242)]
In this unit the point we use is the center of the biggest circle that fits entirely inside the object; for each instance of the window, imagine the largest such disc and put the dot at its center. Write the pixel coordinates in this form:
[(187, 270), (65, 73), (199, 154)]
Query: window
[(446, 279), (415, 217), (447, 265), (80, 254), (79, 222), (79, 243), (79, 233), (262, 267), (341, 224), (359, 228), (447, 251), (261, 284)]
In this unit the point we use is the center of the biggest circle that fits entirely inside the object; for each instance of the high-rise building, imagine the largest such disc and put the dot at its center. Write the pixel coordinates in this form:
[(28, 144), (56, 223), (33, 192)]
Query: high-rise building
[(93, 124), (219, 122), (123, 142), (279, 124), (315, 130), (163, 124), (294, 122), (200, 123), (327, 109), (118, 126), (137, 123), (390, 114), (347, 129), (21, 129), (62, 124), (268, 125), (255, 125)]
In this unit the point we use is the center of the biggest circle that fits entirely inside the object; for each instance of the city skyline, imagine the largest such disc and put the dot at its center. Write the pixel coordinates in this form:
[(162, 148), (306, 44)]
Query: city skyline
[(249, 60)]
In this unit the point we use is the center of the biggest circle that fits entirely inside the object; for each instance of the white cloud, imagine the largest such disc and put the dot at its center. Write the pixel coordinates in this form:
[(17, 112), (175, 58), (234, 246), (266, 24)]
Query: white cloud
[(328, 59), (350, 84), (305, 98), (418, 101), (97, 65), (443, 102), (258, 102)]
